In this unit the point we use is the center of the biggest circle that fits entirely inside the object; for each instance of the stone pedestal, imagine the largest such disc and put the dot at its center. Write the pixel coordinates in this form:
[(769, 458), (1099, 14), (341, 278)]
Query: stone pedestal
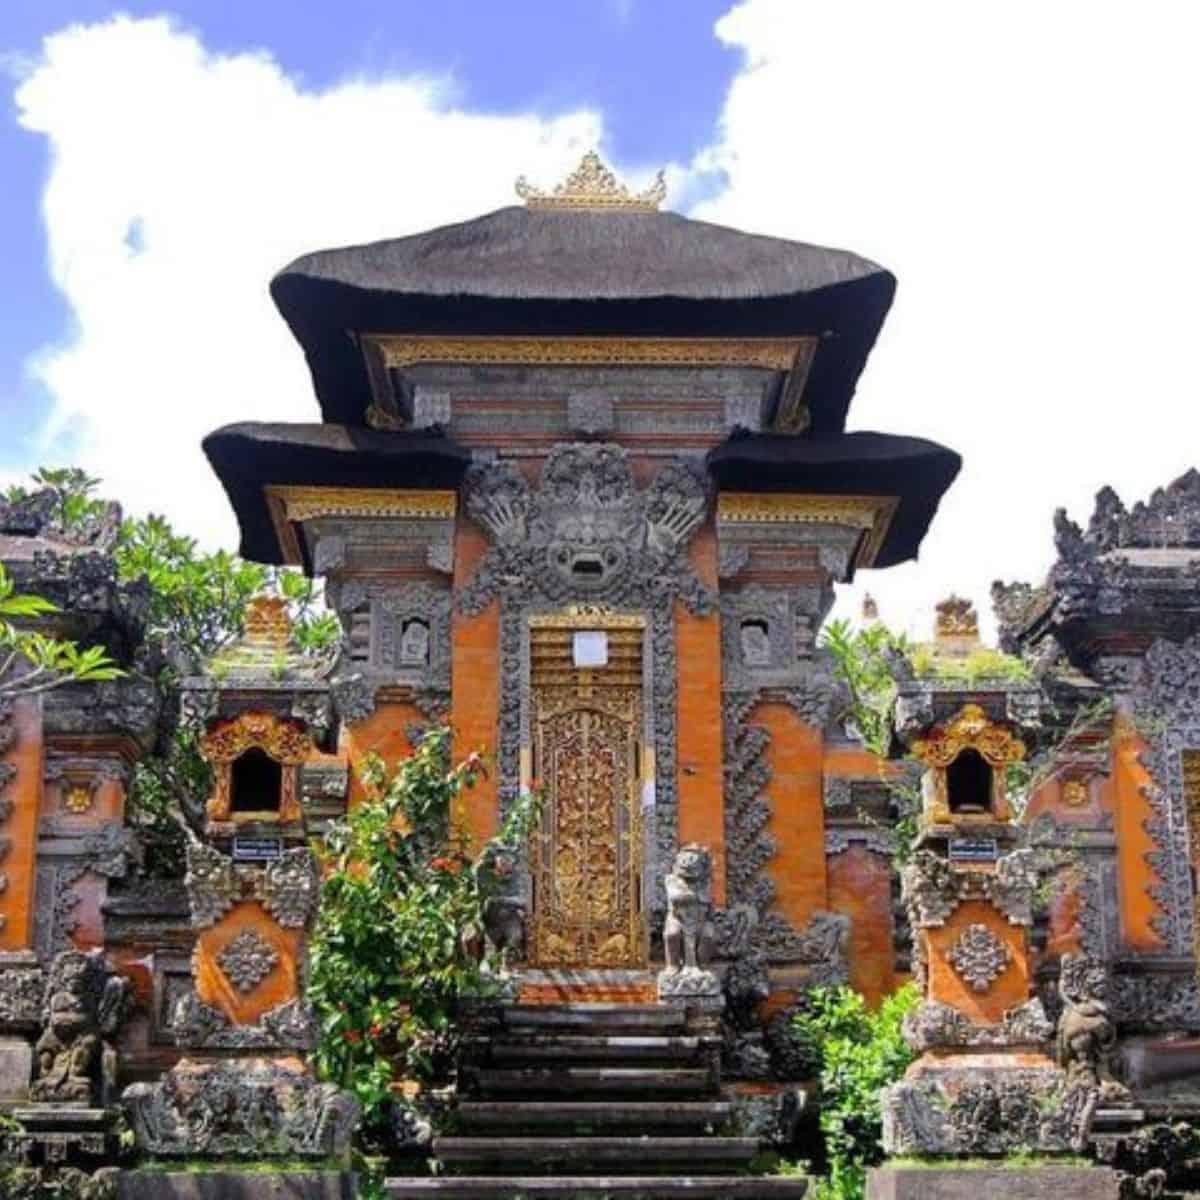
[(971, 1183), (16, 1069)]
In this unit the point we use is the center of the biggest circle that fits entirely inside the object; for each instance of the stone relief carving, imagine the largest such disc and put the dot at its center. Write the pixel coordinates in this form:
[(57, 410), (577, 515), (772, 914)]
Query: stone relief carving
[(238, 1109), (934, 1025), (212, 882), (75, 1062), (196, 1025), (590, 412), (587, 534), (410, 633), (1012, 886), (1167, 701), (929, 889), (247, 960), (290, 887), (22, 992), (979, 957), (981, 1112)]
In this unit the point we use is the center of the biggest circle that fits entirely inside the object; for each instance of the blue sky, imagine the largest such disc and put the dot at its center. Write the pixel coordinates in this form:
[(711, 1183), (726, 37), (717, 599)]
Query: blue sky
[(516, 56), (1025, 168)]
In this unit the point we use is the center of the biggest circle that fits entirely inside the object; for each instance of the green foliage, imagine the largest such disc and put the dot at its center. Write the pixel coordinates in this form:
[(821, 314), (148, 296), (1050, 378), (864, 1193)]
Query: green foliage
[(33, 662), (860, 1052), (400, 902), (983, 664), (863, 660)]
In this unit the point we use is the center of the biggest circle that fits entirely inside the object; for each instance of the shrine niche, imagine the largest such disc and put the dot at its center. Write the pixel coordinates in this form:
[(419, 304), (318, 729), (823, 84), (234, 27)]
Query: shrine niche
[(965, 760), (256, 758)]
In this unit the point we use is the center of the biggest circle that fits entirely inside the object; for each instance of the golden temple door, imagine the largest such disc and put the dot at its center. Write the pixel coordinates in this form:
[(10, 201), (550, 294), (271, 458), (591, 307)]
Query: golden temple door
[(586, 855)]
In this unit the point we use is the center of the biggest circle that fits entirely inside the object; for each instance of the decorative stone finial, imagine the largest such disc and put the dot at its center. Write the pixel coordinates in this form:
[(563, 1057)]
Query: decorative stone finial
[(593, 186), (956, 618), (267, 621)]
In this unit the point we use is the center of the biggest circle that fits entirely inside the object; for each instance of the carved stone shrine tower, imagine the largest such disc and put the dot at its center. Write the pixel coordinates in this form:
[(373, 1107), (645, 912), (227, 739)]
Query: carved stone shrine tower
[(582, 489)]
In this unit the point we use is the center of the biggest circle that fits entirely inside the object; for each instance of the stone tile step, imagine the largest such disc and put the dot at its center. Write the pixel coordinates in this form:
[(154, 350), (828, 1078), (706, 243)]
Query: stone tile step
[(536, 1048), (718, 1153), (620, 1187), (596, 1018), (643, 1082), (602, 1114)]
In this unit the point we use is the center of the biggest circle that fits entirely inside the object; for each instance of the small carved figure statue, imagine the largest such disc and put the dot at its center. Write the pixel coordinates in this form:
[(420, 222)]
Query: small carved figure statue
[(414, 644), (85, 1003), (756, 646), (688, 931), (1086, 1033)]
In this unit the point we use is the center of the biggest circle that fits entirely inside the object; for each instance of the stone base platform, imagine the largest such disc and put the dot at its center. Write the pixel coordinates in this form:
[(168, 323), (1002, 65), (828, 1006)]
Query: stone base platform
[(236, 1185), (973, 1183)]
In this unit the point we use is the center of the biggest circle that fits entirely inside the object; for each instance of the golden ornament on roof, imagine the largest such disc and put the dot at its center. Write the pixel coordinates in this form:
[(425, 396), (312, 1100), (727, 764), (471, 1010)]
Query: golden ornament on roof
[(593, 185)]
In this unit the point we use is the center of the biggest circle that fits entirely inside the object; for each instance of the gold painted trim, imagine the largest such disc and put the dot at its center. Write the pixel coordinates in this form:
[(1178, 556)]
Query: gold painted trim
[(592, 185), (872, 514), (774, 354), (586, 616), (290, 504)]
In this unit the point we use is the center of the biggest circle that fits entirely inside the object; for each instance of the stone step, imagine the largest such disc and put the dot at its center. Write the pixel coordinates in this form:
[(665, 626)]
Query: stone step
[(596, 1018), (630, 1081), (718, 1153), (513, 1115), (577, 1048), (619, 1187)]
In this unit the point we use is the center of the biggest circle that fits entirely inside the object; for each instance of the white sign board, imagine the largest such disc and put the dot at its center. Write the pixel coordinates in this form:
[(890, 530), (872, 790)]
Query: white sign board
[(591, 648)]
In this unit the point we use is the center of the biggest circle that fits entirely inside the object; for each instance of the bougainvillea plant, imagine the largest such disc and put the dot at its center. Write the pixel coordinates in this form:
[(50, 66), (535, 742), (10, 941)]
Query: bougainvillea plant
[(398, 935)]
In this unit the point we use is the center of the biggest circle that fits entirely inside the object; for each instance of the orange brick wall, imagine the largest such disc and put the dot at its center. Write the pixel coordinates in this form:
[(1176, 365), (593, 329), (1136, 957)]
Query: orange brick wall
[(1010, 988), (280, 986), (1132, 809), (475, 690), (860, 885), (381, 733), (27, 755), (797, 812)]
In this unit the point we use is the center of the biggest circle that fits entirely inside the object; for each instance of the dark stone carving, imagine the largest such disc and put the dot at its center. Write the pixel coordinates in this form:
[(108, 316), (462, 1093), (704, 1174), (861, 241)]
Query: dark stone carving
[(85, 1004), (688, 931), (353, 697), (247, 1109), (22, 994), (213, 884), (290, 887), (247, 960), (934, 1025), (1086, 1033), (196, 1025), (985, 1112)]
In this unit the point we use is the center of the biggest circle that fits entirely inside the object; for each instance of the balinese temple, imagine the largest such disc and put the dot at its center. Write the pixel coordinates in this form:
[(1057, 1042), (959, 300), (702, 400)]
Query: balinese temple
[(582, 488)]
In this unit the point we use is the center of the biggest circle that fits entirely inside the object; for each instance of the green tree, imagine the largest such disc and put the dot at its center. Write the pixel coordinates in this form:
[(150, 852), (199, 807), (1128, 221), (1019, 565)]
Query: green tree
[(33, 662), (401, 900), (860, 1052)]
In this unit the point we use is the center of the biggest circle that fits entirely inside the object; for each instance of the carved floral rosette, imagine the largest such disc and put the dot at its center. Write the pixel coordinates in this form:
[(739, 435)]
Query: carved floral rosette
[(969, 1111)]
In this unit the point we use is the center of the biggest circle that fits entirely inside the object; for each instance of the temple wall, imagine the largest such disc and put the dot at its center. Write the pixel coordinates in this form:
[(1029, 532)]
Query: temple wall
[(860, 885), (21, 796), (475, 689), (382, 733), (1131, 810), (797, 812)]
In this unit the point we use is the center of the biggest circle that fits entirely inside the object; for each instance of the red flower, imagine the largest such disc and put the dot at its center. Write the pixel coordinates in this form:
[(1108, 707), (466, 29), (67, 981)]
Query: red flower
[(352, 1036), (442, 863), (375, 1030)]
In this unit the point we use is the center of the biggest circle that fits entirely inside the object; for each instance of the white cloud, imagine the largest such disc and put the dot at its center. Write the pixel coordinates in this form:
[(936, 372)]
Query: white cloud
[(1028, 170), (181, 181)]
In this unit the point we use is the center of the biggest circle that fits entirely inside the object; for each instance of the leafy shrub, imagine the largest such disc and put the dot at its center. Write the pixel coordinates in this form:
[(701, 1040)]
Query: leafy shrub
[(861, 1052), (400, 899)]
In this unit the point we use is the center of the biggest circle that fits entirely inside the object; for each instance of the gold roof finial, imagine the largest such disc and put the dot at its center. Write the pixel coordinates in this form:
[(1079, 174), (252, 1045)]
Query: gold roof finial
[(592, 185)]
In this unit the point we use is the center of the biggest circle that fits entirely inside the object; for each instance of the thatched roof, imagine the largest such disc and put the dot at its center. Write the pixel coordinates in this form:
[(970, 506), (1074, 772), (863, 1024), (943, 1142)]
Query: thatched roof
[(252, 455), (531, 271), (915, 470)]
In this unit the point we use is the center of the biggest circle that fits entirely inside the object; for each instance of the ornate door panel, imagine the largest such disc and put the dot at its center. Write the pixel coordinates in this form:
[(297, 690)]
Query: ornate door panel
[(586, 856)]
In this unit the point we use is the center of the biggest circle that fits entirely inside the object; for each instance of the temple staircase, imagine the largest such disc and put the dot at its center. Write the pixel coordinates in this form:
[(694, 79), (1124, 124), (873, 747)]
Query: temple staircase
[(594, 1100)]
